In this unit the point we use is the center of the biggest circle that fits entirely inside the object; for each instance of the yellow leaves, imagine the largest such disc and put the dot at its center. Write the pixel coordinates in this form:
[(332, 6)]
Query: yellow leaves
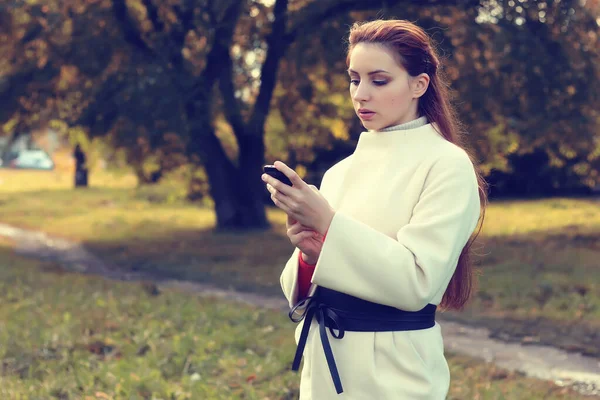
[(338, 99), (10, 124), (319, 83), (567, 151), (301, 170), (594, 154), (502, 140), (67, 27), (68, 75), (339, 130), (513, 146), (582, 168), (58, 125), (337, 127)]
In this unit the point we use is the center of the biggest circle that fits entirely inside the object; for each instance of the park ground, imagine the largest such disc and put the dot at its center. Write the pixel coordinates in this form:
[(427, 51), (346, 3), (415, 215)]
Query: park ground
[(68, 335)]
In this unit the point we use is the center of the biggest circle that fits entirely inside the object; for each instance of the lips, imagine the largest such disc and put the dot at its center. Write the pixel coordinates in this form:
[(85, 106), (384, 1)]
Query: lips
[(365, 114)]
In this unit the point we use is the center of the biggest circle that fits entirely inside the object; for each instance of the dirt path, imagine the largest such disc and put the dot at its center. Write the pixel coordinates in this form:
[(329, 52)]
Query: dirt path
[(537, 361)]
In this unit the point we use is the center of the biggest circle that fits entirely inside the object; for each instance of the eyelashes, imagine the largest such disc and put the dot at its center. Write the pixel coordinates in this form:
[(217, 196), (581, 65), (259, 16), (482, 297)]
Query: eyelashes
[(376, 83)]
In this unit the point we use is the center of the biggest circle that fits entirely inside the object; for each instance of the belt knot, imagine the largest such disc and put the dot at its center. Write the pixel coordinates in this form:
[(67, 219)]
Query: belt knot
[(322, 312)]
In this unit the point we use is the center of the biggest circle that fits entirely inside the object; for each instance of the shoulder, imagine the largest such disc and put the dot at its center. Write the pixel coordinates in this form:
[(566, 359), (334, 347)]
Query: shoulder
[(339, 168), (444, 154), (448, 162)]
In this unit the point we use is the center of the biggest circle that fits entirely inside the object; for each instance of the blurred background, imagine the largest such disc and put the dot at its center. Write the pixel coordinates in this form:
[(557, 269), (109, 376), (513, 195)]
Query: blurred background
[(137, 130)]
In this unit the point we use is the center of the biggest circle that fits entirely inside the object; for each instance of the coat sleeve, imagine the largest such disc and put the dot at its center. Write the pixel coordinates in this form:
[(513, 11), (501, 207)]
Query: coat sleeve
[(289, 278), (289, 275), (410, 271)]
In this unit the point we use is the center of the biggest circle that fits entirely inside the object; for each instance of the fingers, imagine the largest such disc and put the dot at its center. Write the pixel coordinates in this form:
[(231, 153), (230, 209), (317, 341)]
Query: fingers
[(298, 232), (290, 173), (280, 199), (297, 228), (274, 192), (281, 187), (276, 184), (291, 199), (305, 235), (289, 222), (299, 237)]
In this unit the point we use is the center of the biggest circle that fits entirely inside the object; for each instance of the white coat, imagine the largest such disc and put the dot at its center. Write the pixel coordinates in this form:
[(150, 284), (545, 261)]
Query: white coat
[(406, 203)]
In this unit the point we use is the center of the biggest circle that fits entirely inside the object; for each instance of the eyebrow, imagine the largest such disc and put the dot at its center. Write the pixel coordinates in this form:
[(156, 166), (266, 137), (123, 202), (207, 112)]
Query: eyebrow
[(370, 73)]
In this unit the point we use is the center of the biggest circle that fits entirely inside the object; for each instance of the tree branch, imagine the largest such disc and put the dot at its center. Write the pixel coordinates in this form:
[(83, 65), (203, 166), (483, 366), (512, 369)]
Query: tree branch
[(185, 16), (305, 20), (219, 51), (320, 11), (276, 46), (152, 12), (232, 107), (127, 25), (133, 36)]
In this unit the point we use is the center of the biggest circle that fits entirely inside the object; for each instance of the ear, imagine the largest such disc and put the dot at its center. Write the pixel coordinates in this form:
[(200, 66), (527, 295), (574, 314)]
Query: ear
[(420, 83)]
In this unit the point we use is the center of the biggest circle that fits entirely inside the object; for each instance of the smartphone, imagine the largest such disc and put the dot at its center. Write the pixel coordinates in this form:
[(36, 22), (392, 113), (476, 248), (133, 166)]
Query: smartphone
[(277, 174)]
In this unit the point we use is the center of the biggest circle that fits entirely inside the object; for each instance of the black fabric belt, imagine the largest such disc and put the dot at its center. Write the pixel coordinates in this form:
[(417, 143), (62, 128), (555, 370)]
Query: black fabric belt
[(337, 310)]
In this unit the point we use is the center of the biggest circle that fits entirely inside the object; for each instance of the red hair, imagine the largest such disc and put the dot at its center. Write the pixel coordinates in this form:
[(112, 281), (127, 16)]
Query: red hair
[(414, 51)]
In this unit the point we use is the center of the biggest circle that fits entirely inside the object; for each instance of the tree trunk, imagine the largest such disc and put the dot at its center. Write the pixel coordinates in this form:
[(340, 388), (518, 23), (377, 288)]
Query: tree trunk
[(236, 191), (251, 161)]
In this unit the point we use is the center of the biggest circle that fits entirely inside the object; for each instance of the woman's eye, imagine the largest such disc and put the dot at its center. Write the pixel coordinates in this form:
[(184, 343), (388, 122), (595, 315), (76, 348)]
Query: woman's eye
[(376, 83)]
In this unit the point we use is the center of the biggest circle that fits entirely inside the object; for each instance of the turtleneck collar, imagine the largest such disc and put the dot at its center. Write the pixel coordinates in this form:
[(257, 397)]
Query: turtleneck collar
[(415, 123), (413, 133)]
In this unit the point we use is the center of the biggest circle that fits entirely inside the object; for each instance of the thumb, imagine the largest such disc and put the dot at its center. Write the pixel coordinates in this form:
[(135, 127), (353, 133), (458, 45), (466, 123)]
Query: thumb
[(313, 187)]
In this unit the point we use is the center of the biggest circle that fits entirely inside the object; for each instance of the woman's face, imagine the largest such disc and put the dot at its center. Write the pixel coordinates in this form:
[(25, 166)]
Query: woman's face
[(382, 91)]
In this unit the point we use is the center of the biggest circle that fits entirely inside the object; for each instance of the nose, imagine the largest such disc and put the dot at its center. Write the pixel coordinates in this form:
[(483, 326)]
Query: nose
[(361, 92)]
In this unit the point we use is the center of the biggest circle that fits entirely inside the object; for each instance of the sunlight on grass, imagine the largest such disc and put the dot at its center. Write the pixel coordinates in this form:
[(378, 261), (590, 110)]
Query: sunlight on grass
[(16, 181), (505, 218), (52, 191)]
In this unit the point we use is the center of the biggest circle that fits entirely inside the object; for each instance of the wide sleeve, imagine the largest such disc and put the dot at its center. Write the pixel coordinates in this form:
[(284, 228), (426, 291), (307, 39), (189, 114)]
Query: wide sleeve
[(289, 278), (289, 275), (410, 271)]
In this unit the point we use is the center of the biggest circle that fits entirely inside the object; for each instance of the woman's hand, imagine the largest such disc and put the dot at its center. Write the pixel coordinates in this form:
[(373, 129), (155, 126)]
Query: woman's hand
[(302, 202), (307, 240)]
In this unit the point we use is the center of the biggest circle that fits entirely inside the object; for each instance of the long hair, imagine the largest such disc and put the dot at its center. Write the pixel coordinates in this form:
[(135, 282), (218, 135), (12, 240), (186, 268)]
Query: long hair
[(413, 49)]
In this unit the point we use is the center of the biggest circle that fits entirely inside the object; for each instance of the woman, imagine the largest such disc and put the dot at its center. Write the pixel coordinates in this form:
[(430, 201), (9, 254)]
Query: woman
[(386, 240)]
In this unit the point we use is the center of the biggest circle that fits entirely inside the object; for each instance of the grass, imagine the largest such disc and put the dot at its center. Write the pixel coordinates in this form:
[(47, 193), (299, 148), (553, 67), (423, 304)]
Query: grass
[(540, 280), (69, 336)]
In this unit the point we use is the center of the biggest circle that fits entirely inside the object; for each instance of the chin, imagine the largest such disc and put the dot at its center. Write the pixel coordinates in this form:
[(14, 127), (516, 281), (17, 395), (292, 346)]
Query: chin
[(372, 126)]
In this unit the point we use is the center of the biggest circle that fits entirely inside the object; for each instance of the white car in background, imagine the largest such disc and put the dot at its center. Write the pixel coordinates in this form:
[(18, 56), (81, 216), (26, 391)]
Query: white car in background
[(30, 159)]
